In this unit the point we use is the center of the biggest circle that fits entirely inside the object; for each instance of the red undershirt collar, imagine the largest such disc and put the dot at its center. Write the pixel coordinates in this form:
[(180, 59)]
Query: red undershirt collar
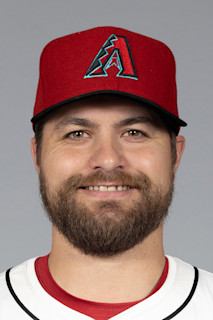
[(95, 310)]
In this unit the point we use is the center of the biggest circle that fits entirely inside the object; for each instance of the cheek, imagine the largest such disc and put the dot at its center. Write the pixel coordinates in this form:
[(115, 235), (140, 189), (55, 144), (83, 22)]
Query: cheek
[(59, 166), (156, 164)]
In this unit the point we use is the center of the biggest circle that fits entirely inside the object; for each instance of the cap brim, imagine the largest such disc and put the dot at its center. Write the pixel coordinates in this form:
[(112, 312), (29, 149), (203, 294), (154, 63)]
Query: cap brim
[(174, 121)]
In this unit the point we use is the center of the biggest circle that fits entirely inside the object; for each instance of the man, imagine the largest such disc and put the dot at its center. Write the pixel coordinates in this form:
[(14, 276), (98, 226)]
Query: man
[(106, 149)]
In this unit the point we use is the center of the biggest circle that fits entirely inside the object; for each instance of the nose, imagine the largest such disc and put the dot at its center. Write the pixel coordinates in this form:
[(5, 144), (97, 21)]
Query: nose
[(108, 156)]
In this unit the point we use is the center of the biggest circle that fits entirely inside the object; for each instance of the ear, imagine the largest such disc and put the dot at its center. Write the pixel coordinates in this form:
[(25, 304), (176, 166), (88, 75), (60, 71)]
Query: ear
[(34, 155), (180, 146)]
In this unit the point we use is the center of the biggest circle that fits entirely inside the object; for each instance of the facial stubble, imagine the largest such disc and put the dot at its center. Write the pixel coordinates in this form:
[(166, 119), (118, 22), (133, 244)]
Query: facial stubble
[(106, 228)]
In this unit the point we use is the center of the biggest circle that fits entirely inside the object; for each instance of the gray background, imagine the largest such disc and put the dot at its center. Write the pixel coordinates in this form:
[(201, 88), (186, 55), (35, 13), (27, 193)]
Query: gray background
[(25, 27)]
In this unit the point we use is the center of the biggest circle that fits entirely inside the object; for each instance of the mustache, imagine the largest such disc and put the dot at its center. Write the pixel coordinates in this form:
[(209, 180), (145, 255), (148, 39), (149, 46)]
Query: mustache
[(139, 181)]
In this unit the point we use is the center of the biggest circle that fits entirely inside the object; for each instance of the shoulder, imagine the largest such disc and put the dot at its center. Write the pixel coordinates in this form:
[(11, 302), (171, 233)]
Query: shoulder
[(22, 297), (201, 280), (13, 277), (14, 287), (205, 287), (204, 276)]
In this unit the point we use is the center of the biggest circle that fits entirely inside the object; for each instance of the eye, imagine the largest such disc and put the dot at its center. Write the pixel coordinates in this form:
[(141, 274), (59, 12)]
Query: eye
[(77, 135), (135, 133)]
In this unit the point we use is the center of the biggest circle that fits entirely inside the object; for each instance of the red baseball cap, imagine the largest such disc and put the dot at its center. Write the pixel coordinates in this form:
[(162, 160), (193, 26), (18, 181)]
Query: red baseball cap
[(108, 60)]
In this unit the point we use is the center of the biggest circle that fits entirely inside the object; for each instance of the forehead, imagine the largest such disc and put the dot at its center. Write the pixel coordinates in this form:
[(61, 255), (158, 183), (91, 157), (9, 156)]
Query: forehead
[(101, 107)]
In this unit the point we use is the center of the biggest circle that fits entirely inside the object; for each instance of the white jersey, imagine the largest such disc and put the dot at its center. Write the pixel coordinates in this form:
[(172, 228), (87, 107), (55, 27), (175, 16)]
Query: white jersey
[(187, 294)]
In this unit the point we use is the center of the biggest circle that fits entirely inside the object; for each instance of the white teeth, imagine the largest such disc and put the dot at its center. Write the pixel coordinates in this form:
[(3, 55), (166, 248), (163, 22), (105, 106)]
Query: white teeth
[(112, 188), (105, 188)]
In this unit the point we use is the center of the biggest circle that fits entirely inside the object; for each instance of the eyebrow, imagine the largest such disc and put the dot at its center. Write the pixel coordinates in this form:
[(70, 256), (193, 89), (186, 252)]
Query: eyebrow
[(134, 120), (89, 124), (76, 121)]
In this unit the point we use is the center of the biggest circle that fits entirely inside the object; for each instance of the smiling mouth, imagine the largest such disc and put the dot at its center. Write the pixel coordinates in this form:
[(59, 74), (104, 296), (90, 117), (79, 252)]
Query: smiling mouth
[(106, 188)]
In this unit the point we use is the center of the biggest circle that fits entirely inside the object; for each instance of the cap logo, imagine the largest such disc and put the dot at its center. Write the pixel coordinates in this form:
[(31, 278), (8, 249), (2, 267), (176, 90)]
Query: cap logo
[(115, 52)]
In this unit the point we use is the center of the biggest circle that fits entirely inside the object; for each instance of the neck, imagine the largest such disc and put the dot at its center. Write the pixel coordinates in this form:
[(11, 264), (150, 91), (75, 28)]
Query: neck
[(111, 279)]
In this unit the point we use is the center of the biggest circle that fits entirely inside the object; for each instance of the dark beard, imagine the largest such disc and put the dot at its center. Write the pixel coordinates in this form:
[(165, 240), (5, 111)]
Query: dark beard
[(110, 228)]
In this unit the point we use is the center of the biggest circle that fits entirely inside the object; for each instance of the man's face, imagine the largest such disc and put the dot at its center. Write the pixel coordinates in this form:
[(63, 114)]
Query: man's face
[(106, 173)]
